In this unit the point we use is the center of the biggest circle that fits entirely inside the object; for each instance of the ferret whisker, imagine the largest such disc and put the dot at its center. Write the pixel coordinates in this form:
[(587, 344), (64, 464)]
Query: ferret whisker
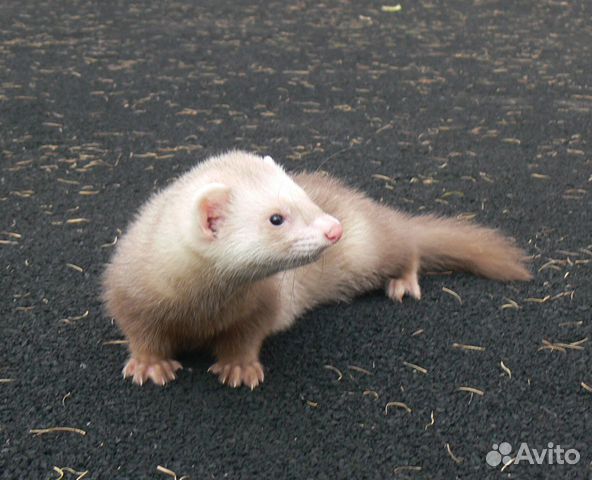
[(339, 152)]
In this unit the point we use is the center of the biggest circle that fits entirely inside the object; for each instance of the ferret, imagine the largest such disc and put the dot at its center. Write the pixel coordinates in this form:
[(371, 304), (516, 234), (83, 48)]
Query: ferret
[(237, 249)]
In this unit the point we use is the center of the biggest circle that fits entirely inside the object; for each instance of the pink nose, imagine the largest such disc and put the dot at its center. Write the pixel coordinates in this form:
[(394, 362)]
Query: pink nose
[(334, 233)]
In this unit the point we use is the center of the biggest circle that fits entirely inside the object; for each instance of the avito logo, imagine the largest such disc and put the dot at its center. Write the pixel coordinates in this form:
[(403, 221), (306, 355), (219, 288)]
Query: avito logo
[(552, 455)]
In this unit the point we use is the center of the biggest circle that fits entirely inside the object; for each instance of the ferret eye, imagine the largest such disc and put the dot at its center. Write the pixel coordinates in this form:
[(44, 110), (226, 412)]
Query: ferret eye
[(276, 219)]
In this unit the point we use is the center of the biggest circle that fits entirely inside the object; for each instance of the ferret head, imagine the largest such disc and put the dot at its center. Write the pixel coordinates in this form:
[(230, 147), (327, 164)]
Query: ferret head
[(253, 219)]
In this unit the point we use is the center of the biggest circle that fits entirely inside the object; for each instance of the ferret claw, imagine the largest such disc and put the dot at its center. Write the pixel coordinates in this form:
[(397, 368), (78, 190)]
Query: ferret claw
[(397, 287), (159, 371), (235, 374)]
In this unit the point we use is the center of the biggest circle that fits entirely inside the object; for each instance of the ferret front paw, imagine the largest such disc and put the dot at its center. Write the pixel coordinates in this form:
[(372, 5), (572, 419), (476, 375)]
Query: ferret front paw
[(397, 287), (235, 374), (159, 371)]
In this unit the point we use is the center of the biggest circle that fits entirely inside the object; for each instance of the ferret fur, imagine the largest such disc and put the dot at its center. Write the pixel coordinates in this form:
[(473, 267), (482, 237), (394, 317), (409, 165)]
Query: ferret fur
[(201, 266)]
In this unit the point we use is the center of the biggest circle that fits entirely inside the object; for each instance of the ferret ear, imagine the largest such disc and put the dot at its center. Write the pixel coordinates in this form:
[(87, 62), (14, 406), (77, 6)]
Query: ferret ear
[(267, 159), (211, 204)]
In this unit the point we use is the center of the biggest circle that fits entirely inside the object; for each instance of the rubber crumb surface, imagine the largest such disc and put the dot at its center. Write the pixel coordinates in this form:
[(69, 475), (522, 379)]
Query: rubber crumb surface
[(480, 109)]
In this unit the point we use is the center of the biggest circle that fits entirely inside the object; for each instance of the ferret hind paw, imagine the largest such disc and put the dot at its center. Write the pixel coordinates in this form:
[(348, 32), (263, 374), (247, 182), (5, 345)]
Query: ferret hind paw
[(235, 374), (159, 371), (397, 288)]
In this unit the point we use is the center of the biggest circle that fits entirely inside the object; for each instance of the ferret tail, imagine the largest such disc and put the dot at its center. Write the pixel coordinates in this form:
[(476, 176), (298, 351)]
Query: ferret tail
[(450, 244)]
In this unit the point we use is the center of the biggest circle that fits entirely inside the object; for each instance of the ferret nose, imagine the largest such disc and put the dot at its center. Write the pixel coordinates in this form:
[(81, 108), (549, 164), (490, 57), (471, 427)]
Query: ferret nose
[(330, 227), (334, 233)]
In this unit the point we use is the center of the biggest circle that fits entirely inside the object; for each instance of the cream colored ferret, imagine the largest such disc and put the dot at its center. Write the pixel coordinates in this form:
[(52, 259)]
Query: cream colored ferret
[(236, 249)]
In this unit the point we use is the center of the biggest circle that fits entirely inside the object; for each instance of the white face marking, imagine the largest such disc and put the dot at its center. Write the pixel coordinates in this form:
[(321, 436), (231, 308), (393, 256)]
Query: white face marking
[(248, 243)]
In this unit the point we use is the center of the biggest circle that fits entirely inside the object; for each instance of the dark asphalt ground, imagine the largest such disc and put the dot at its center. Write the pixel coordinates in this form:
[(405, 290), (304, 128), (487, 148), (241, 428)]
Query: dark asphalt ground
[(477, 108)]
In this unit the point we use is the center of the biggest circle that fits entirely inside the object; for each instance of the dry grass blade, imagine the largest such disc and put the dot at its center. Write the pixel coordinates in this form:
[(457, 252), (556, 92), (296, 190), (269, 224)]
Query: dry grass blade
[(508, 463), (452, 193), (73, 319), (456, 459), (406, 468), (552, 264), (63, 470), (166, 471), (538, 300), (569, 253), (75, 267), (511, 304), (416, 367), (15, 235), (371, 393), (569, 293), (453, 293), (336, 370), (551, 346), (540, 176), (486, 177), (391, 8), (359, 369), (68, 182), (578, 344), (115, 342), (385, 178), (432, 421), (472, 390), (185, 112), (23, 193), (563, 347), (110, 244), (462, 346), (6, 380), (24, 309), (571, 324), (506, 369), (466, 216), (586, 387), (401, 405), (77, 221), (42, 431)]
